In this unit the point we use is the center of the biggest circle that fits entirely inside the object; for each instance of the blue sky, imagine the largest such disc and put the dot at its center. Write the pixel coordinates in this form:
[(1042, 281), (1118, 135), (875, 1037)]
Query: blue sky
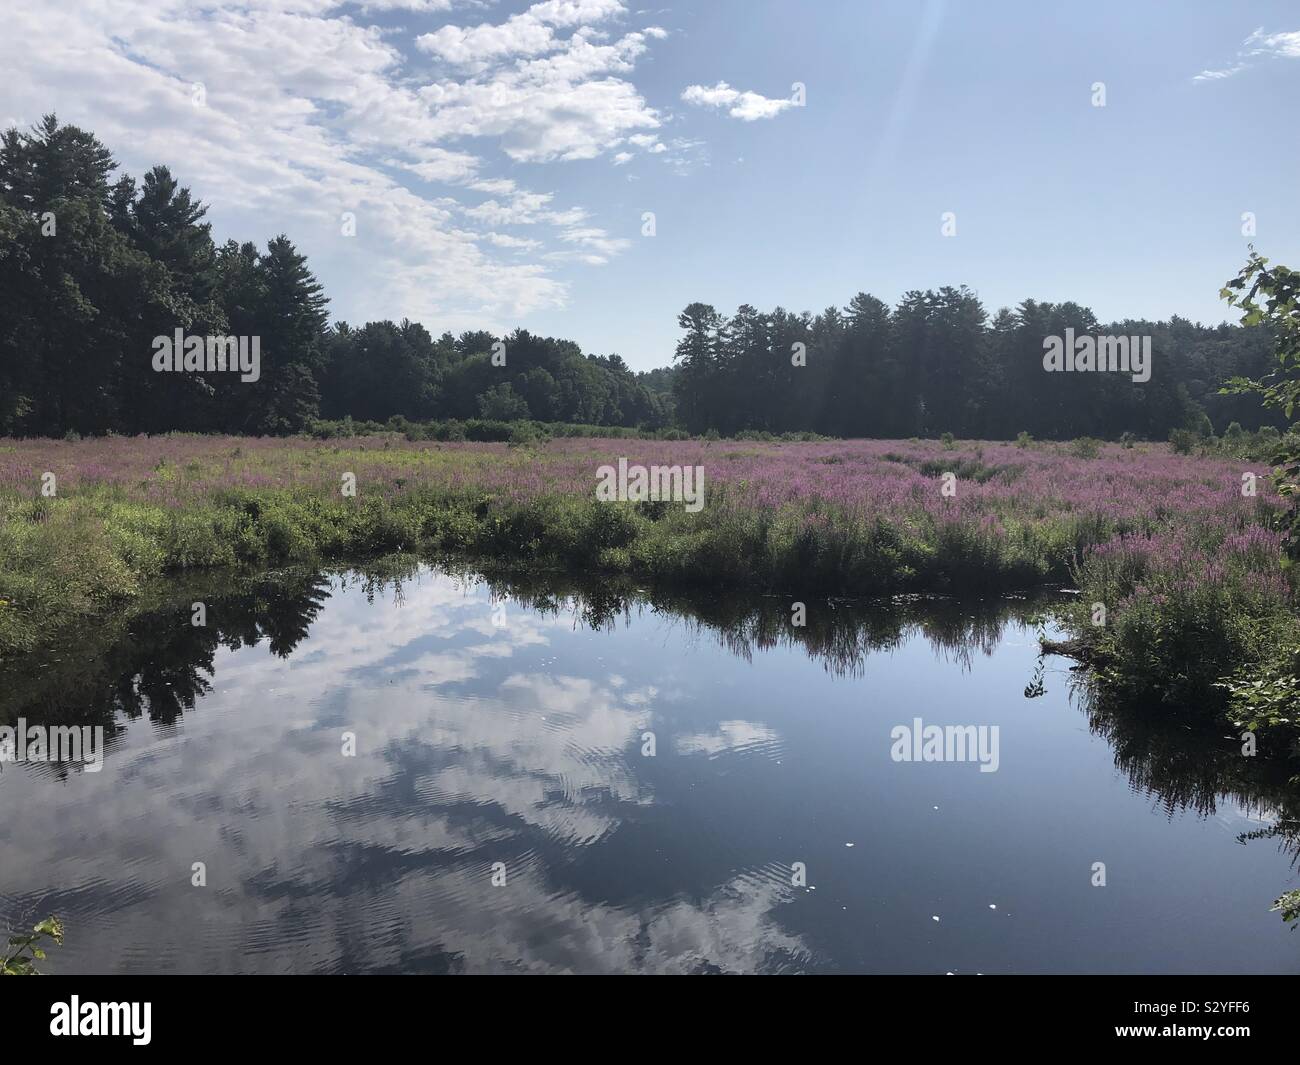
[(498, 157)]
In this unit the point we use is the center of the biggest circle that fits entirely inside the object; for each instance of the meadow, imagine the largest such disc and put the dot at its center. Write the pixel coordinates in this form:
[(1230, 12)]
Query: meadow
[(1196, 607)]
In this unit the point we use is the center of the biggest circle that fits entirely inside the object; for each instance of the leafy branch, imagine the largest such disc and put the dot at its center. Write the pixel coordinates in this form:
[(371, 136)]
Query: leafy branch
[(1289, 905), (1270, 296), (23, 952)]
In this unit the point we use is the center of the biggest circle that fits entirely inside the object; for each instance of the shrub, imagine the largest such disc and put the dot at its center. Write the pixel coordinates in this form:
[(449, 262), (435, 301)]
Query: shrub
[(502, 403), (524, 433), (1172, 648), (1266, 696)]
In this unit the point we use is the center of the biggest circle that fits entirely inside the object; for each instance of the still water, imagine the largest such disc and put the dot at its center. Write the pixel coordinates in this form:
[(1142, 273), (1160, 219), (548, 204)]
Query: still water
[(555, 779)]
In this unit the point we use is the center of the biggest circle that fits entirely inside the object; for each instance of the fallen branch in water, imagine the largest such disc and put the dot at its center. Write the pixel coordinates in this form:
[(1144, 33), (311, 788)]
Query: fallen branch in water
[(1075, 649)]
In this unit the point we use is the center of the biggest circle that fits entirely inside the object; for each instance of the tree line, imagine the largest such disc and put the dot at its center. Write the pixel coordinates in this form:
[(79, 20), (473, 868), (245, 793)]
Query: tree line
[(93, 268), (937, 362)]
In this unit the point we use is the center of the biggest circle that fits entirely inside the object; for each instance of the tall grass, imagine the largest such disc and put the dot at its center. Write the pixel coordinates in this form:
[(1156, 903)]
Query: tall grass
[(1188, 568)]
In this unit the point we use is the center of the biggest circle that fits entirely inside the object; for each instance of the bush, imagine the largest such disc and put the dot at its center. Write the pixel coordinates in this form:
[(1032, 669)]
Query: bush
[(1174, 647), (523, 434), (1264, 696), (501, 402)]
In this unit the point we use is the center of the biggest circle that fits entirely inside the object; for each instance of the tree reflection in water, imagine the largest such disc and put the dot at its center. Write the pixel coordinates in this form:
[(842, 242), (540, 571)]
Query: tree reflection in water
[(153, 662)]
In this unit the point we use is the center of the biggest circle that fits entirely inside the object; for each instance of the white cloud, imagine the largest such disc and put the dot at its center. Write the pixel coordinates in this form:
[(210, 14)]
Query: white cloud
[(437, 164), (310, 112), (569, 104), (746, 106), (594, 244), (504, 240), (524, 208), (520, 35), (1284, 45), (1215, 75), (526, 34), (494, 186), (367, 6)]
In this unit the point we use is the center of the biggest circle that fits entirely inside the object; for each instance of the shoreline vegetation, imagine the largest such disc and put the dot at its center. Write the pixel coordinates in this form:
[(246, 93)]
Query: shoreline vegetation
[(1187, 567)]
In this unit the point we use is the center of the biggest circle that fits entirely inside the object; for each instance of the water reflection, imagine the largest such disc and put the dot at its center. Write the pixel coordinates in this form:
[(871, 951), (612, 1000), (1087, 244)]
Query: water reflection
[(520, 748)]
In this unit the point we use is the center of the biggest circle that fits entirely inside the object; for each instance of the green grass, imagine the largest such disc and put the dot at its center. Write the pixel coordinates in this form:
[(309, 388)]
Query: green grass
[(63, 560), (1199, 611)]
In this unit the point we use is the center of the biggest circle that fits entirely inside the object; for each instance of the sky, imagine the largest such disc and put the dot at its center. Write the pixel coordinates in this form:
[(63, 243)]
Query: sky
[(485, 165)]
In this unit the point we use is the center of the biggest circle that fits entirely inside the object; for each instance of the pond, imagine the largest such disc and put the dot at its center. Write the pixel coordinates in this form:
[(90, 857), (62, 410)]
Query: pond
[(424, 771)]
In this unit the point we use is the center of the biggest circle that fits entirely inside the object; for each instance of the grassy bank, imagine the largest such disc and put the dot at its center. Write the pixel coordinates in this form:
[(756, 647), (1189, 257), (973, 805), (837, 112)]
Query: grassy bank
[(1187, 567)]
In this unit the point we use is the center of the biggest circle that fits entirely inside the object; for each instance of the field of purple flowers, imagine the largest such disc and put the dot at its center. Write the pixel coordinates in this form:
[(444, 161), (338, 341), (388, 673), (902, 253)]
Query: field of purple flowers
[(1186, 564)]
